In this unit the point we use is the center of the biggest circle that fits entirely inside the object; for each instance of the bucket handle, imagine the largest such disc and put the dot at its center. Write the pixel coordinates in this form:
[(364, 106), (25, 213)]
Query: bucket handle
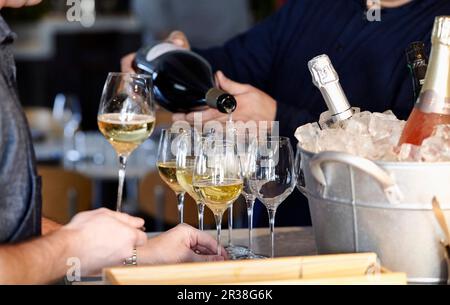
[(384, 179)]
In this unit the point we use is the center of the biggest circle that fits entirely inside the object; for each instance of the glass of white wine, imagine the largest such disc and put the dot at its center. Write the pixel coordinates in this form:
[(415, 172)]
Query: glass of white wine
[(217, 178), (188, 148), (126, 117), (167, 164)]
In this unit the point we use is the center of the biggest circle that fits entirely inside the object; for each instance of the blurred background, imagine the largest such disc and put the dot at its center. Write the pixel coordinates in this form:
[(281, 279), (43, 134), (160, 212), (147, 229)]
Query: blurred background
[(62, 67)]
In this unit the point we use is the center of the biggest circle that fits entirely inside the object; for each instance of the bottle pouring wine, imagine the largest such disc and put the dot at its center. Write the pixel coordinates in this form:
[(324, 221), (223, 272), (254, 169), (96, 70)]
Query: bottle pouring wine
[(182, 80)]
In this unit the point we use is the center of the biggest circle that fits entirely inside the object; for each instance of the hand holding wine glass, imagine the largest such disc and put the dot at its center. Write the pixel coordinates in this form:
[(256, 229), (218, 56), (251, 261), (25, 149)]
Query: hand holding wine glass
[(126, 116)]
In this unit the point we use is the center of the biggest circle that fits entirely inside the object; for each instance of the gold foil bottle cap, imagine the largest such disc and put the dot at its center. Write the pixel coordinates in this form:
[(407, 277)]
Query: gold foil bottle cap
[(441, 30)]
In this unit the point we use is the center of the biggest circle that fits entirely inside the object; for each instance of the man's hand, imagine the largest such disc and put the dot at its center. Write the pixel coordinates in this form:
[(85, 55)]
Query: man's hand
[(252, 104), (103, 238), (181, 244), (177, 38)]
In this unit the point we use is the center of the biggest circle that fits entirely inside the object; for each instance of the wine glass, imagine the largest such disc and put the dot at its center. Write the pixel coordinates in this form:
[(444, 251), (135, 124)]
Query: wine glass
[(230, 134), (217, 178), (272, 178), (244, 145), (67, 112), (126, 117), (167, 164), (188, 147)]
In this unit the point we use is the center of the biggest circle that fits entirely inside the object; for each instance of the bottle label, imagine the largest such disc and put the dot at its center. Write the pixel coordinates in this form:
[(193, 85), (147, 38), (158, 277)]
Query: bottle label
[(431, 102), (161, 49)]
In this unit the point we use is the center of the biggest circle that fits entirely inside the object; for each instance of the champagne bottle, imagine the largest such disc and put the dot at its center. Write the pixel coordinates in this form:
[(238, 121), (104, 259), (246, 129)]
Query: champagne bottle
[(433, 105), (417, 65), (326, 79), (182, 80)]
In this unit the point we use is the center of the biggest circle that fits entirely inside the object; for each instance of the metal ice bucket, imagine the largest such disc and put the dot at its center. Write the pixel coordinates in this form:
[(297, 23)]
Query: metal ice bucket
[(384, 207)]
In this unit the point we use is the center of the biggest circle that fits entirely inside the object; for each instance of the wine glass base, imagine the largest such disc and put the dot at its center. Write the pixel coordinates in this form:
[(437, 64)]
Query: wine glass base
[(242, 253)]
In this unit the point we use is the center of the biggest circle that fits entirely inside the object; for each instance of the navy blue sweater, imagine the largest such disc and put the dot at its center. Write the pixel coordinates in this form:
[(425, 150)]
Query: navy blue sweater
[(369, 57)]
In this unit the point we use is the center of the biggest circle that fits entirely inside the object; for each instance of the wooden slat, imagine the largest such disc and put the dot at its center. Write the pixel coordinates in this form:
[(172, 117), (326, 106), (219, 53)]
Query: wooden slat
[(381, 279), (311, 268)]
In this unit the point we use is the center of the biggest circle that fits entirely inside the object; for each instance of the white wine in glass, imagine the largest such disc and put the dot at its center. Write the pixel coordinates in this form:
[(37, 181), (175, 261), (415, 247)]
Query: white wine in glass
[(168, 173), (184, 177), (167, 165), (217, 178), (219, 196), (126, 117), (126, 133), (187, 151)]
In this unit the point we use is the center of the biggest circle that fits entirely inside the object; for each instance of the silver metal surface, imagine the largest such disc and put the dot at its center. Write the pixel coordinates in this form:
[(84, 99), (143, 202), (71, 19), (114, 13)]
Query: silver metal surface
[(384, 207), (326, 79), (440, 217)]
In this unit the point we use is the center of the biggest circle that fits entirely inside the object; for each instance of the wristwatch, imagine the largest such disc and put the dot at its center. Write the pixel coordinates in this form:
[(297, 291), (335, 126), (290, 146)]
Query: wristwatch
[(131, 261)]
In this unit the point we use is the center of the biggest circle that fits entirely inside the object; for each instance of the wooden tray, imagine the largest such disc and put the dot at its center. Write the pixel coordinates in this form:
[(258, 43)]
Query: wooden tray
[(325, 269)]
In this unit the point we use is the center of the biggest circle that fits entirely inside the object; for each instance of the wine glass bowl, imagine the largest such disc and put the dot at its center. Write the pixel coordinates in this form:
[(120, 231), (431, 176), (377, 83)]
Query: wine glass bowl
[(126, 116), (188, 147), (167, 164)]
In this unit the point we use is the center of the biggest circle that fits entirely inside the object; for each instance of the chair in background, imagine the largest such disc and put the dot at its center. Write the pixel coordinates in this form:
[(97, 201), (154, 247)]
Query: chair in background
[(158, 201), (64, 193)]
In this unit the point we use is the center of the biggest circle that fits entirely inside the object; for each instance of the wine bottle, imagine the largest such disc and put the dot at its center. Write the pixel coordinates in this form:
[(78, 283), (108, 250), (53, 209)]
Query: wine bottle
[(433, 105), (417, 65), (326, 79), (182, 80)]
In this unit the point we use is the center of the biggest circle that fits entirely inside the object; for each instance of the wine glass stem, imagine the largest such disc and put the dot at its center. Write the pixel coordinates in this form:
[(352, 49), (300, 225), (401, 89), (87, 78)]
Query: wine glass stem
[(272, 213), (122, 171), (230, 226), (180, 199), (201, 211), (218, 218), (250, 205)]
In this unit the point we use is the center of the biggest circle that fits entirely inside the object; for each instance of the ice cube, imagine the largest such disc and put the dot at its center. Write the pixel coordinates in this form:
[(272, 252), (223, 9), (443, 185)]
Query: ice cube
[(308, 136), (409, 153), (437, 147), (374, 136)]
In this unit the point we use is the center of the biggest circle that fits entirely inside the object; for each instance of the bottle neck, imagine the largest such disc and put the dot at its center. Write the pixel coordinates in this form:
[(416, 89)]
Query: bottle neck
[(435, 94), (418, 71), (221, 100), (336, 101)]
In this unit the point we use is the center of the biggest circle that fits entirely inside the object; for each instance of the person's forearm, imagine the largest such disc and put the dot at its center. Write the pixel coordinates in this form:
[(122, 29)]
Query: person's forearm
[(40, 261), (49, 226)]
